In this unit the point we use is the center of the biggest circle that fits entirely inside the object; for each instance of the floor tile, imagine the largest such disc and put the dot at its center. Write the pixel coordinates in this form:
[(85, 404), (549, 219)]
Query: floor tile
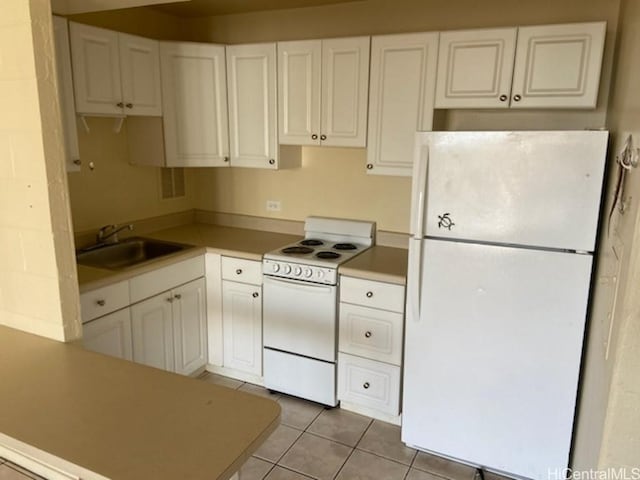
[(254, 469), (415, 474), (280, 473), (258, 390), (317, 457), (443, 467), (221, 380), (340, 425), (298, 413), (278, 443), (384, 439), (366, 466)]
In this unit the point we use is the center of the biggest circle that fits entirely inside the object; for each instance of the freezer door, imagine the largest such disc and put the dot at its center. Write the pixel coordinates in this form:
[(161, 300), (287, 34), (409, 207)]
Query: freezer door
[(492, 361), (524, 188)]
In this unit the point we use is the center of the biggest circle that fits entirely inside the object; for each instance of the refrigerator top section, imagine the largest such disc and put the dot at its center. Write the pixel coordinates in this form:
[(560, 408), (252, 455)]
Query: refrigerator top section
[(539, 189)]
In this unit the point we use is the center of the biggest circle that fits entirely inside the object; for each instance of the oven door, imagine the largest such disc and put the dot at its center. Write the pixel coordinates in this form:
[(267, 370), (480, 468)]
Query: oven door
[(300, 317)]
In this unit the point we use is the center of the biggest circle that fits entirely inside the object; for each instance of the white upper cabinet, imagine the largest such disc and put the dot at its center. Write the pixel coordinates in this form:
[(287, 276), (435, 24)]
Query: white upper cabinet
[(323, 91), (114, 73), (194, 95), (554, 66), (253, 109), (475, 68), (558, 66), (65, 93), (401, 97)]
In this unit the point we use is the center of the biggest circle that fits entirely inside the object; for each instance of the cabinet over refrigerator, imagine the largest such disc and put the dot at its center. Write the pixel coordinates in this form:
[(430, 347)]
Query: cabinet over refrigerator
[(503, 231)]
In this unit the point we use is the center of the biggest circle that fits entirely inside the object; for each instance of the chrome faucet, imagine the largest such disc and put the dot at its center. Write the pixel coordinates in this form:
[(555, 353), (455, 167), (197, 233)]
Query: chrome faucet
[(110, 232)]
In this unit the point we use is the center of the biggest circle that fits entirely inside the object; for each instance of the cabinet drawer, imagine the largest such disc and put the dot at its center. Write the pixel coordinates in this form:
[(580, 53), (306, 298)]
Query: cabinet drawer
[(165, 278), (368, 293), (241, 270), (371, 333), (369, 383), (101, 301)]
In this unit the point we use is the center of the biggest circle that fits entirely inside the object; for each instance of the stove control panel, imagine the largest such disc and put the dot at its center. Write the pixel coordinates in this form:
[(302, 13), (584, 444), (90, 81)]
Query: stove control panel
[(297, 271)]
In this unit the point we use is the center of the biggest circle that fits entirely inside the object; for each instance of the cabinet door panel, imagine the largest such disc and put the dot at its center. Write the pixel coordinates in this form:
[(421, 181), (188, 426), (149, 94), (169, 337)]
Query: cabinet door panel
[(475, 68), (190, 327), (110, 335), (345, 78), (152, 326), (401, 96), (140, 64), (214, 308), (299, 92), (96, 69), (558, 66), (251, 77), (242, 324), (194, 97)]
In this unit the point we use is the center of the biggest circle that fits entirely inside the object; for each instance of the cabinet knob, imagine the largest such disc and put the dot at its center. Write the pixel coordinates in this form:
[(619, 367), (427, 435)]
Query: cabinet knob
[(255, 294), (101, 303), (314, 137), (369, 294), (323, 137), (77, 161), (503, 98), (272, 161), (119, 104), (177, 296), (517, 98), (366, 385), (239, 271), (367, 334), (129, 105), (226, 159), (369, 166), (170, 299)]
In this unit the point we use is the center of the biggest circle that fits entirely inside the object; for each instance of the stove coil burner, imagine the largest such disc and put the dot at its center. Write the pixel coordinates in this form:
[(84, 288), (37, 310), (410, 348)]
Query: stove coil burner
[(345, 246), (312, 242), (297, 250), (328, 255)]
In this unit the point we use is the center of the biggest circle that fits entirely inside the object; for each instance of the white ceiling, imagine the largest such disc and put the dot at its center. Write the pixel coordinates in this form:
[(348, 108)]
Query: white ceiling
[(204, 8)]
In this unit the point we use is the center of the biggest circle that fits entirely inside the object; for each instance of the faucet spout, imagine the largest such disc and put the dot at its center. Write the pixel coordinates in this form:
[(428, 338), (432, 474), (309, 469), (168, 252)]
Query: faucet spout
[(110, 232)]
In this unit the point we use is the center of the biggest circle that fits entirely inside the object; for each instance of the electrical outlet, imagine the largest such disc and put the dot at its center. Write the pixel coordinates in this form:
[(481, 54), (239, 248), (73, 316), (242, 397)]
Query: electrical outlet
[(273, 205)]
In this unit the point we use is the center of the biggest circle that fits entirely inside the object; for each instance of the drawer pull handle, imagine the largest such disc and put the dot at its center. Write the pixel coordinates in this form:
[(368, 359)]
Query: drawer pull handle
[(101, 303), (367, 334), (366, 385), (369, 294), (177, 296), (255, 294), (239, 271)]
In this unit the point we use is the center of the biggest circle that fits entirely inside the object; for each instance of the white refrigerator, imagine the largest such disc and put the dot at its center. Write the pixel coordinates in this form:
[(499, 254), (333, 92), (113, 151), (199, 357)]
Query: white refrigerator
[(503, 229)]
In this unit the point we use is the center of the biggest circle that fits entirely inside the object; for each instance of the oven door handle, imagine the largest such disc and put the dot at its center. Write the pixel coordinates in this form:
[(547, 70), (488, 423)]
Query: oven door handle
[(299, 285)]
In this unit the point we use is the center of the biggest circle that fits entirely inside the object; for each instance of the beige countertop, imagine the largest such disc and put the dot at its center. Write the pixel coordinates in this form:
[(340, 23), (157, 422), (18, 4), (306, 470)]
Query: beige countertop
[(384, 264), (231, 241), (123, 420)]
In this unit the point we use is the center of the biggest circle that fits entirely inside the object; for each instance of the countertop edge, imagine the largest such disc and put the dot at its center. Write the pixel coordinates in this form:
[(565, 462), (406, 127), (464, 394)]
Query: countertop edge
[(371, 275)]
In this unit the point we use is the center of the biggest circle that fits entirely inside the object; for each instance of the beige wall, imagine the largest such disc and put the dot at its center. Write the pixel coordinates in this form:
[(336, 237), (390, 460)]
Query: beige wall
[(621, 440), (38, 283), (338, 175), (116, 192)]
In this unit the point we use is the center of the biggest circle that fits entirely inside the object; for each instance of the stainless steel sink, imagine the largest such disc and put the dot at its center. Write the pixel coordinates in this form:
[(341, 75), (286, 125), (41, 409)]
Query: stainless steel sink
[(127, 253)]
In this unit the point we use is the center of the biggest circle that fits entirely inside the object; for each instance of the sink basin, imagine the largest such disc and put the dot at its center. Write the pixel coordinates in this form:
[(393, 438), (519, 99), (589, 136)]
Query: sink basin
[(127, 253)]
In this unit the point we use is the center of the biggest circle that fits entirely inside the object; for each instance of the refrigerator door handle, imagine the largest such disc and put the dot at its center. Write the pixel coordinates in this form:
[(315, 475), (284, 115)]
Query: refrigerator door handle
[(414, 276), (419, 188)]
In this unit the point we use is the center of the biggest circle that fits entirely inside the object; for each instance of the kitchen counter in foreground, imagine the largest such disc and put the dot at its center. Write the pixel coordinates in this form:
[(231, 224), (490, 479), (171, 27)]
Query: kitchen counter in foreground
[(383, 264), (121, 420)]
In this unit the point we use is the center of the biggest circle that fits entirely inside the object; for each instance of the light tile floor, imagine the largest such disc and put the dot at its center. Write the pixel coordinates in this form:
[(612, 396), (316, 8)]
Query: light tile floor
[(326, 444)]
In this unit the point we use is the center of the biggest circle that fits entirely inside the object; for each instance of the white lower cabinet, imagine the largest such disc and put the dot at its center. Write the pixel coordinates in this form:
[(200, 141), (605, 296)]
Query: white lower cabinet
[(370, 347), (110, 334), (169, 330), (242, 325)]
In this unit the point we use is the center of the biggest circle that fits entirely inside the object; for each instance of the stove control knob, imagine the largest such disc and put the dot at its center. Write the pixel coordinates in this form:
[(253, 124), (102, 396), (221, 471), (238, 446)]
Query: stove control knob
[(287, 269), (275, 267), (308, 272), (320, 274), (297, 271)]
